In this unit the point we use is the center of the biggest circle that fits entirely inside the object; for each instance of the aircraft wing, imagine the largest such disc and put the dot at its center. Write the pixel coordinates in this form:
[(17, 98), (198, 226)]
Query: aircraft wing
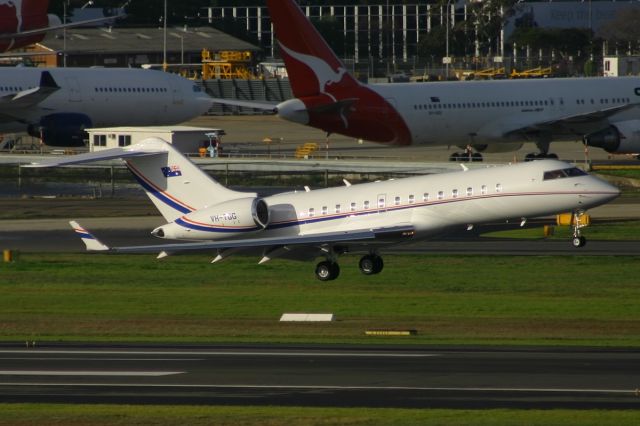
[(58, 27), (265, 106), (568, 123), (30, 97), (375, 235)]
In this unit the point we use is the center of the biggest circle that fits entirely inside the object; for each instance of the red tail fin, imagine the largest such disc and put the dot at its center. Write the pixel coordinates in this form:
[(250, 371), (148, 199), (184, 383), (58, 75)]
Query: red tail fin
[(327, 96), (21, 15), (311, 64)]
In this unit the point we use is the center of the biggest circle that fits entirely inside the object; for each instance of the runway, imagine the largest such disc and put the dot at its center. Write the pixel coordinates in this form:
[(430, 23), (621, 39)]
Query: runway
[(328, 376)]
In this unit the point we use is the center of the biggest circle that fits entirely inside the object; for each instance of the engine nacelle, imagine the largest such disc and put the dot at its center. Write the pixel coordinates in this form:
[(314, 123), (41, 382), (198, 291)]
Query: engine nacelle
[(220, 221), (64, 129), (621, 138), (496, 147)]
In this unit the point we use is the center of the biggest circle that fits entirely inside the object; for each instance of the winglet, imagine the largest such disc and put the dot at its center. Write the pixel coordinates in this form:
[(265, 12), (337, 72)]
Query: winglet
[(47, 81), (89, 240)]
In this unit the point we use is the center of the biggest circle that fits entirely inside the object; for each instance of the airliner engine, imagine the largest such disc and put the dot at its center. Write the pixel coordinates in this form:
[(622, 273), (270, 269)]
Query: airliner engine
[(621, 138), (224, 220)]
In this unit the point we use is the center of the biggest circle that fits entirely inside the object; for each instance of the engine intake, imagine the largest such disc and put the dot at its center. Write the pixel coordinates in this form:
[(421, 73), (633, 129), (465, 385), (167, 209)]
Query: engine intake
[(621, 138)]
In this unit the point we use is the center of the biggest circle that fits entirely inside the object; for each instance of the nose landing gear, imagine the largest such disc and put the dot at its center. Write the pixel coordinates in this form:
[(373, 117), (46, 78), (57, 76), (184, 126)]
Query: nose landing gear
[(577, 223)]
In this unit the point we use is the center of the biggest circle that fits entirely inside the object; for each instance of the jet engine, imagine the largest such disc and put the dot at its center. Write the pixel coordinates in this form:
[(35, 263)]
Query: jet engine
[(621, 138), (223, 220), (64, 129)]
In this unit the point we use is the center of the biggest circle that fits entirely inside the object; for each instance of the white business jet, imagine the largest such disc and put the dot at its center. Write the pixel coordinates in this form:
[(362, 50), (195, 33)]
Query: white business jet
[(328, 222)]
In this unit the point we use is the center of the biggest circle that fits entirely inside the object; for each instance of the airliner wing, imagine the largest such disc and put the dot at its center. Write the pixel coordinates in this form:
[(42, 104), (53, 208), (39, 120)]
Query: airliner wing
[(43, 30), (561, 125), (265, 106), (376, 235), (27, 98)]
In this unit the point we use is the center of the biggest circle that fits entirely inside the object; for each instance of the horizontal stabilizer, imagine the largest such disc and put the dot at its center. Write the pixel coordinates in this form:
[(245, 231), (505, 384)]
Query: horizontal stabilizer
[(107, 154), (87, 238)]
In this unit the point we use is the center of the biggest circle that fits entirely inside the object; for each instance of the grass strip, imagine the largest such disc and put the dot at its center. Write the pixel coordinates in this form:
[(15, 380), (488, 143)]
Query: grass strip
[(99, 415), (529, 300)]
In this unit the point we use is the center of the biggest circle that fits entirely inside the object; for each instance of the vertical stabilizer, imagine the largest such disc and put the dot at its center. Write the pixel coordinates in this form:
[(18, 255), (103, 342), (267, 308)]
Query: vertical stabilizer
[(310, 62), (173, 183)]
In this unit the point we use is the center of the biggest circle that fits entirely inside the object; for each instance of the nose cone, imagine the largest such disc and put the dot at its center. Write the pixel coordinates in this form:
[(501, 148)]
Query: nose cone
[(601, 192)]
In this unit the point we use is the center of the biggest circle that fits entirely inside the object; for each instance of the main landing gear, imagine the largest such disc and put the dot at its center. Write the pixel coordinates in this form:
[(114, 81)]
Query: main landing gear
[(466, 155), (543, 145), (369, 264)]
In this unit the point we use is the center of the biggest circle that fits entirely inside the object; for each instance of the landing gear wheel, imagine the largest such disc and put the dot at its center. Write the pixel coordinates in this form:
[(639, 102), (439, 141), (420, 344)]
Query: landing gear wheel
[(327, 271), (540, 156), (578, 242), (371, 264)]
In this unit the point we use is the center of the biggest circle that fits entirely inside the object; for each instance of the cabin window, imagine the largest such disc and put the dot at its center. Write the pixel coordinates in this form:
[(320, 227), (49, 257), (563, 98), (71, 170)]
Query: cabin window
[(425, 196), (366, 205), (353, 207), (325, 210), (412, 199), (381, 202), (312, 212), (469, 192), (396, 201), (498, 187), (483, 189), (454, 193), (337, 208), (440, 195)]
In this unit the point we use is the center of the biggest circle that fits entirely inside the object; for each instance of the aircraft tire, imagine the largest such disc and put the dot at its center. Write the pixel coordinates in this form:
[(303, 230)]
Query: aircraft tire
[(578, 242), (327, 271), (371, 264)]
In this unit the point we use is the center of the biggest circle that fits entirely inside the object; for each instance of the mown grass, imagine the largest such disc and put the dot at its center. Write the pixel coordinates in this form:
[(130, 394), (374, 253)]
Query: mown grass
[(98, 415), (561, 300)]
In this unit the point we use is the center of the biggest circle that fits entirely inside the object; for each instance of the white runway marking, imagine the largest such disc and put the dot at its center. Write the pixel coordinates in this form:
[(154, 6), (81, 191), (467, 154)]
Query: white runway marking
[(88, 373)]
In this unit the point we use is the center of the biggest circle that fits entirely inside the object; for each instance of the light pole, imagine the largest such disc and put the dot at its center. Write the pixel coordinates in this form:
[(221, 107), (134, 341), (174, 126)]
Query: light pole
[(447, 59), (164, 35), (64, 28)]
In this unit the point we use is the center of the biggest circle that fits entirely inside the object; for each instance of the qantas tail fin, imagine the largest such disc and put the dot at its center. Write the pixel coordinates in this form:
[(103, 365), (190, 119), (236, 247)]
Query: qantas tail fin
[(311, 64)]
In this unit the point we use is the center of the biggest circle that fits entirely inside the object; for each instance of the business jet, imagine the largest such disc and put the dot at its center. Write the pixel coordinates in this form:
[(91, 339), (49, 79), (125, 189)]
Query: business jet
[(25, 22), (487, 116), (329, 222), (58, 104)]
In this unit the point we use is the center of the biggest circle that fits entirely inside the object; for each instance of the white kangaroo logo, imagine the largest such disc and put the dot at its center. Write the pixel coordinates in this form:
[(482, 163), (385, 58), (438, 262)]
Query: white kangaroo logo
[(17, 6), (324, 73)]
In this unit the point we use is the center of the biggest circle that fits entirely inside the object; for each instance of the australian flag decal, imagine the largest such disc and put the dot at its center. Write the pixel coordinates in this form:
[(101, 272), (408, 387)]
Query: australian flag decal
[(171, 171)]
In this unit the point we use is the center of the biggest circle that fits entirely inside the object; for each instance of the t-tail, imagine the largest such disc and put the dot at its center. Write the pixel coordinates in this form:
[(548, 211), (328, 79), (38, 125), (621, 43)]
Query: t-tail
[(327, 96), (174, 184)]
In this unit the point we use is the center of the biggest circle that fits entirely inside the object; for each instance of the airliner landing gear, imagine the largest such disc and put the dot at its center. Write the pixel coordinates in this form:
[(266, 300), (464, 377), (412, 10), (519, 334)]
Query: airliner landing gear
[(466, 155), (578, 240), (543, 146), (371, 264), (327, 270)]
